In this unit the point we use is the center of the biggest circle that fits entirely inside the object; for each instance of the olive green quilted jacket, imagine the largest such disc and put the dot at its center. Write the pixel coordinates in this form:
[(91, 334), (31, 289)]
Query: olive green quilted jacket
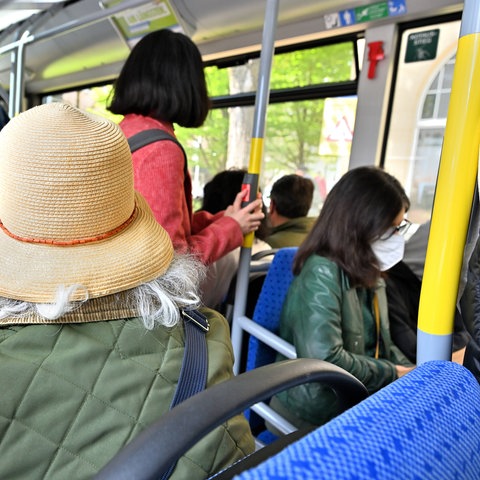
[(74, 394)]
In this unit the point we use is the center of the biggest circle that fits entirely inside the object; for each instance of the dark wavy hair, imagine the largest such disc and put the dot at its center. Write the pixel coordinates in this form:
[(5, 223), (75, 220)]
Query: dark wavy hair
[(163, 78), (359, 209)]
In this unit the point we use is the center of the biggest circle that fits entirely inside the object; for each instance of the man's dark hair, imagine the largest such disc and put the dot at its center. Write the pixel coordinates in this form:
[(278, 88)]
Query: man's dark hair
[(292, 195)]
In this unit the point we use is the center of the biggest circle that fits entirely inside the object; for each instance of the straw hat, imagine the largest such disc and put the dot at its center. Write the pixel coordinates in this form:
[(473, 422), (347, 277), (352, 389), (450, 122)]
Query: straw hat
[(68, 211)]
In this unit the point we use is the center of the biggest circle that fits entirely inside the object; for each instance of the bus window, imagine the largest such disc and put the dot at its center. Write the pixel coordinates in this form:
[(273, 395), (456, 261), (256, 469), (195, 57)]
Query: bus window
[(292, 69), (309, 124), (419, 111), (307, 131)]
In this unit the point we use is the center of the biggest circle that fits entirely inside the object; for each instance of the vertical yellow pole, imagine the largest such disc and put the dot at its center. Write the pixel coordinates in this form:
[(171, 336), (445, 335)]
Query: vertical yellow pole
[(255, 162), (453, 196), (254, 167)]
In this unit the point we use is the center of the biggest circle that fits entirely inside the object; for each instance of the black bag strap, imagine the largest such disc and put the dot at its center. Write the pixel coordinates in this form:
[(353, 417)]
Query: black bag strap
[(152, 135), (194, 367), (145, 137), (193, 373)]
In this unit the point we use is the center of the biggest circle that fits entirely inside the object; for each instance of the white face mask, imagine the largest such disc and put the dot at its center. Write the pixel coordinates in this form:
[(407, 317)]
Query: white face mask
[(389, 252)]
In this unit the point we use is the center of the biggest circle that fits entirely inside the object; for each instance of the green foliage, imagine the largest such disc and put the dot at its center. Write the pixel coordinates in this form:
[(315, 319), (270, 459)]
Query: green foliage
[(217, 81), (331, 63)]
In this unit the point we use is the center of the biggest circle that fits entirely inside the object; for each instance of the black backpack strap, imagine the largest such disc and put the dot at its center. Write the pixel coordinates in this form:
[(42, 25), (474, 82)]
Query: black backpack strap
[(145, 137), (193, 373)]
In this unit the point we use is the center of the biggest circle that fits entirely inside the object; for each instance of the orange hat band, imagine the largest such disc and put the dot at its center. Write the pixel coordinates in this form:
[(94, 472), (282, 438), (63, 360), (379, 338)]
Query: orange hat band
[(95, 238)]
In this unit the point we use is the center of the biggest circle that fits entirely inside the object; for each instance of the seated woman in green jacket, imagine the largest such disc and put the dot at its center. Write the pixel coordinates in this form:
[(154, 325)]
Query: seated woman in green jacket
[(336, 307)]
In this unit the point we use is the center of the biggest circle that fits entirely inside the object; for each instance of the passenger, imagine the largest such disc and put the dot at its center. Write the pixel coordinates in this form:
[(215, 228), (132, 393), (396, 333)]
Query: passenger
[(4, 118), (221, 191), (290, 200), (404, 284), (163, 83), (403, 297), (91, 337), (336, 308), (416, 249), (470, 307), (218, 193)]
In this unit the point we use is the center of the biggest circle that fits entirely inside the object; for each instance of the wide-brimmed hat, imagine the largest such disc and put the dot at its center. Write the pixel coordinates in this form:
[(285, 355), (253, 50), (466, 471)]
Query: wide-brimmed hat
[(68, 210)]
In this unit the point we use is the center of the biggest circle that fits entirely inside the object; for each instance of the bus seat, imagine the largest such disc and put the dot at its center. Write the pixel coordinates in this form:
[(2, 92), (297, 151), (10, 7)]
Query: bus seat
[(269, 305), (152, 452), (424, 425), (259, 264), (263, 341)]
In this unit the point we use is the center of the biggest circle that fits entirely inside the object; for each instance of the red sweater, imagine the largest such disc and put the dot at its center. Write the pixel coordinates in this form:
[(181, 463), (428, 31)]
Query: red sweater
[(159, 176)]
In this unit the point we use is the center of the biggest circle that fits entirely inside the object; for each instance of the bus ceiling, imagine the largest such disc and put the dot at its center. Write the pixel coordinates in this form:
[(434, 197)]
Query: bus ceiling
[(56, 45)]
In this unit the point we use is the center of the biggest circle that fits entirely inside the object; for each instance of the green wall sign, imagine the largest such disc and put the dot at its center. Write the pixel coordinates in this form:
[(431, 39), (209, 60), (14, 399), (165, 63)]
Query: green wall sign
[(422, 46), (371, 12)]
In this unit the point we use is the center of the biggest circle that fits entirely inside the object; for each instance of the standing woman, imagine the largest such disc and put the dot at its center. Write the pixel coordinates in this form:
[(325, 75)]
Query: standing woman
[(162, 83), (336, 307)]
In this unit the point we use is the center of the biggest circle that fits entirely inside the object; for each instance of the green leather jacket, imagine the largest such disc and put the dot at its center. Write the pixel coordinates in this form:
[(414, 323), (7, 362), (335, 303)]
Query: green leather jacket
[(327, 319), (74, 394)]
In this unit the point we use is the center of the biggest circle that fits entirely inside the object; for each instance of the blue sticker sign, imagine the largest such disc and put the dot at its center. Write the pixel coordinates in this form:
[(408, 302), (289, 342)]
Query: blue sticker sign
[(347, 17), (396, 7), (366, 13)]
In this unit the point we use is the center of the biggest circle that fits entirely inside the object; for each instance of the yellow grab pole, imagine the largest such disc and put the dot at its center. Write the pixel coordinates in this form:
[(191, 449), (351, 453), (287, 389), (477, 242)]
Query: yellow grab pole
[(255, 162), (453, 196), (254, 168)]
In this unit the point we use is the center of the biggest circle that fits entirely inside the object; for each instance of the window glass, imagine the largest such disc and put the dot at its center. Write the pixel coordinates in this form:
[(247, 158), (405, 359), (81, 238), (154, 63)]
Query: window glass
[(301, 68), (428, 106), (310, 137), (419, 112), (314, 66), (93, 100), (443, 100), (448, 74)]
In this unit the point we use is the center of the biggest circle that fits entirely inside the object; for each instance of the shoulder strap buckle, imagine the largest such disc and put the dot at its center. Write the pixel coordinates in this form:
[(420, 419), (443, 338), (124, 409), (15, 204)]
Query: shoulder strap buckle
[(197, 318)]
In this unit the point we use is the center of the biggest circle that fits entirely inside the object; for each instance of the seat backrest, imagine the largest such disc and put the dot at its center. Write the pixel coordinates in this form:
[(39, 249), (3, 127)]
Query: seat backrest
[(259, 264), (424, 425), (269, 305)]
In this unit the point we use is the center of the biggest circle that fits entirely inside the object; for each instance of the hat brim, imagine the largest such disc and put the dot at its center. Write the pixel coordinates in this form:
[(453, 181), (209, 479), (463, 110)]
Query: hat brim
[(32, 272)]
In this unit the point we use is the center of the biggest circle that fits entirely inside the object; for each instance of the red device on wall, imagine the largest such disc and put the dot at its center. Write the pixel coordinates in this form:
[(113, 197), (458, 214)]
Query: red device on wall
[(375, 54)]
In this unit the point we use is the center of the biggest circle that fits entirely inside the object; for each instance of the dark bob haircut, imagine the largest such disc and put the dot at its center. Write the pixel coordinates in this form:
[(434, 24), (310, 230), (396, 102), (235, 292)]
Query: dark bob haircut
[(163, 78), (361, 206)]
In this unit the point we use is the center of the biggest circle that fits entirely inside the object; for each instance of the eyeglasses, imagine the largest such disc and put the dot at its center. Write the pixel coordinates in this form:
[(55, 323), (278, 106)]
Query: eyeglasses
[(400, 229)]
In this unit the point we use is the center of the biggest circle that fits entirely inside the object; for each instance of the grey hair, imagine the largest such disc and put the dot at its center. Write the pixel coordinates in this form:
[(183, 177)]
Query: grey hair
[(157, 302)]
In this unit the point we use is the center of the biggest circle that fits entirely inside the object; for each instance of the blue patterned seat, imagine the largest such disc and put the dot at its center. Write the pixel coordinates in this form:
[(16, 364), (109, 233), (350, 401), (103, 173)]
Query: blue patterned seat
[(426, 425), (267, 314), (269, 306)]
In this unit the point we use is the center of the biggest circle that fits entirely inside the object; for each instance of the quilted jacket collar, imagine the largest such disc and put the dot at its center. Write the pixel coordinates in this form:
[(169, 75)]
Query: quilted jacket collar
[(111, 307)]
